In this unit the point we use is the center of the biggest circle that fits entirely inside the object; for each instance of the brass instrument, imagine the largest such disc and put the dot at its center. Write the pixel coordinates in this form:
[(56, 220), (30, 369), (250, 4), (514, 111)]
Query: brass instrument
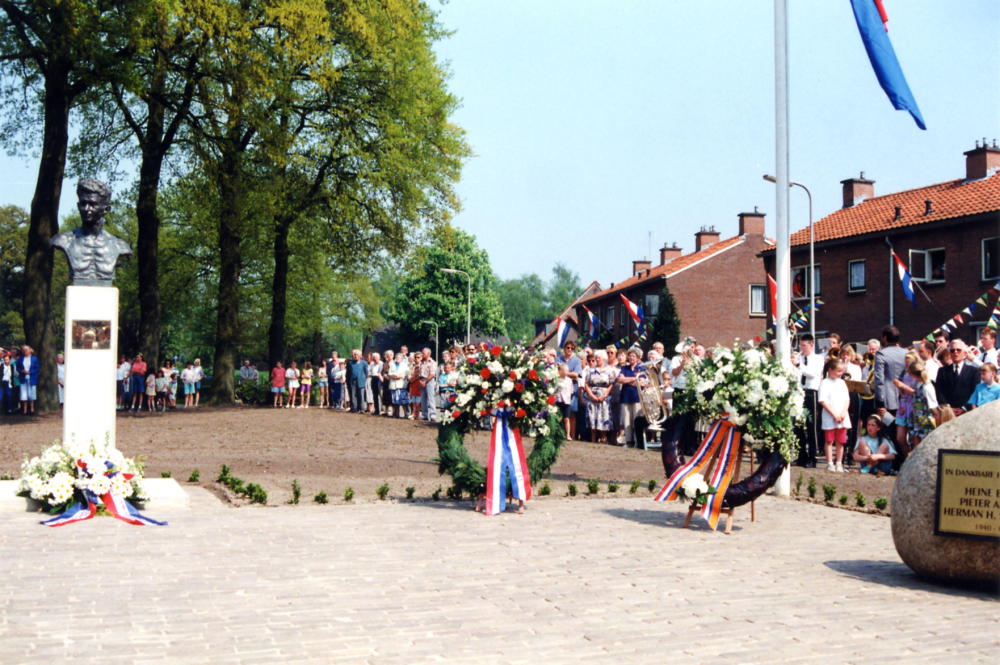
[(869, 358), (870, 379), (833, 353), (647, 381), (684, 348)]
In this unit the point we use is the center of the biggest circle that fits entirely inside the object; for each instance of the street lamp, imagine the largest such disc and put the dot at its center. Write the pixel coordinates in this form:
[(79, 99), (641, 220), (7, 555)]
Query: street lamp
[(812, 256), (468, 325), (437, 339)]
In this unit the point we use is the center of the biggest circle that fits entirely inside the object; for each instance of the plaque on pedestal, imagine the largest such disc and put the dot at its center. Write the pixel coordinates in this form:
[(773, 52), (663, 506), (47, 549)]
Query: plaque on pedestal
[(91, 345)]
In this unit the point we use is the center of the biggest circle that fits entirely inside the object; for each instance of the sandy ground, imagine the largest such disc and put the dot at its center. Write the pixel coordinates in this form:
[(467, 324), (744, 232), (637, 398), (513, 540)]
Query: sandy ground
[(331, 451)]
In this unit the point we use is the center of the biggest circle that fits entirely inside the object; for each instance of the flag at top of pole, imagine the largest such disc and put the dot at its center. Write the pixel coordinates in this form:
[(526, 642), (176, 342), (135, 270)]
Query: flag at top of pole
[(562, 332), (873, 26), (593, 322), (634, 311), (904, 277)]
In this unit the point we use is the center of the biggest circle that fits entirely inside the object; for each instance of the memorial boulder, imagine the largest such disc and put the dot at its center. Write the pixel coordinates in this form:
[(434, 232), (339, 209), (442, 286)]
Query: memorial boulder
[(945, 505)]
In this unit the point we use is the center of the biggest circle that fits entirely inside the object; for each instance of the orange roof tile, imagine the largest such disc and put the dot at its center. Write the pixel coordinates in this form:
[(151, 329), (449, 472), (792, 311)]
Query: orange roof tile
[(949, 200), (671, 268)]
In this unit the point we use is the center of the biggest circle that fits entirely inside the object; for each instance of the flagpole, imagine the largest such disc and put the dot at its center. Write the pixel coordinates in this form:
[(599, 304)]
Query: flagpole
[(892, 283), (783, 266)]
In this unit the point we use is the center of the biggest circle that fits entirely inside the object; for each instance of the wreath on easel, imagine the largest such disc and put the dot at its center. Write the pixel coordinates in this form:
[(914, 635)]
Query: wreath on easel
[(510, 379)]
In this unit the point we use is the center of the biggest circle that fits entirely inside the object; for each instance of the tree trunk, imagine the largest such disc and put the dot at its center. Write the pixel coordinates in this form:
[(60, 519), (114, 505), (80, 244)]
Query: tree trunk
[(279, 291), (227, 332), (44, 224), (148, 218)]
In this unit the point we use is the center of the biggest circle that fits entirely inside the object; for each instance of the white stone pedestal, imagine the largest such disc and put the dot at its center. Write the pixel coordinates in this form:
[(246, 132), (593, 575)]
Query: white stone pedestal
[(91, 364)]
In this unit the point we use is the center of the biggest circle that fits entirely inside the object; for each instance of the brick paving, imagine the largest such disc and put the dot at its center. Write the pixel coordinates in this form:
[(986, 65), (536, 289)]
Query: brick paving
[(574, 580)]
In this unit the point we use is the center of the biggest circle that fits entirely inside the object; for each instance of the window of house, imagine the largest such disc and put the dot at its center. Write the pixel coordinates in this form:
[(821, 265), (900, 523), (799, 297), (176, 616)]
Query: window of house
[(609, 317), (927, 265), (856, 275), (991, 258), (585, 324), (758, 300), (652, 306), (623, 320), (800, 282)]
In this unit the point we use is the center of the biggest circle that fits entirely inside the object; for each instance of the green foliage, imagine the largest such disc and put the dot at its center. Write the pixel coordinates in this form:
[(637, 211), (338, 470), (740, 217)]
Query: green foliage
[(881, 503), (666, 325), (321, 498), (545, 490), (252, 491), (195, 476), (634, 487), (572, 489), (164, 474), (382, 491), (593, 486), (829, 492), (859, 499), (798, 485), (256, 493), (349, 494), (13, 248), (811, 487), (296, 492), (410, 491), (224, 474), (612, 487), (651, 485), (426, 293), (254, 394), (454, 492), (843, 499), (528, 297), (436, 494)]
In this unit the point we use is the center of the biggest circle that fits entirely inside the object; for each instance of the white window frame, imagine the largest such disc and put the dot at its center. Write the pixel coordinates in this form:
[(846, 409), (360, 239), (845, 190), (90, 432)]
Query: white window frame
[(982, 252), (648, 309), (609, 324), (924, 256), (763, 312), (809, 282), (851, 288)]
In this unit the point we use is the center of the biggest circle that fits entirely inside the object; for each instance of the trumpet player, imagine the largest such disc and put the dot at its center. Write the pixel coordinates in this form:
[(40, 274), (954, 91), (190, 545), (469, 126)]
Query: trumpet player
[(810, 366), (834, 350)]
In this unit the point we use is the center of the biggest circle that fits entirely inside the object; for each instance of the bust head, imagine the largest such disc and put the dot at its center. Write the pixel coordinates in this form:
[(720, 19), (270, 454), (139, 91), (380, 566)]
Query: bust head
[(93, 202)]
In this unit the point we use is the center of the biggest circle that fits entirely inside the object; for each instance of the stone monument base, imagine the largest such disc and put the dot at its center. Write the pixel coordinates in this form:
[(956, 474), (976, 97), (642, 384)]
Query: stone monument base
[(164, 494)]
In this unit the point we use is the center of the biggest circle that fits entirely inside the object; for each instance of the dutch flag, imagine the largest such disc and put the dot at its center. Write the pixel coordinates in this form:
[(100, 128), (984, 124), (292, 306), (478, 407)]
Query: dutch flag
[(593, 322), (562, 332), (904, 277), (634, 311)]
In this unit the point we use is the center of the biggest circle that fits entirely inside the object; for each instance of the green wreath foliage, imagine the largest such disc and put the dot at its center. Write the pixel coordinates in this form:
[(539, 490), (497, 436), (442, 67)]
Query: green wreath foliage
[(469, 475)]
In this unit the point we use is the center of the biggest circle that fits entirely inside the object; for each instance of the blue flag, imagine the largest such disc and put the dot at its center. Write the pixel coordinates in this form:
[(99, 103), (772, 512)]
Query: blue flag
[(883, 58)]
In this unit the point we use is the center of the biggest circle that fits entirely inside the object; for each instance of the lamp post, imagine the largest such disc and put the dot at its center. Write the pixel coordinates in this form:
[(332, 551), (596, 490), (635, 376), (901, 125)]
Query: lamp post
[(468, 325), (812, 255), (437, 338)]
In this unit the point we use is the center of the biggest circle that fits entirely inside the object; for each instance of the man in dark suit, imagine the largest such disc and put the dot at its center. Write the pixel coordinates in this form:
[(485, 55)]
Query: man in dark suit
[(956, 382)]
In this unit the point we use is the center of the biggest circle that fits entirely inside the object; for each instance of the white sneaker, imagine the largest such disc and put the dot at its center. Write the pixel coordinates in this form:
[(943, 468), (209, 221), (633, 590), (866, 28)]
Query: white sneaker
[(840, 468), (831, 467)]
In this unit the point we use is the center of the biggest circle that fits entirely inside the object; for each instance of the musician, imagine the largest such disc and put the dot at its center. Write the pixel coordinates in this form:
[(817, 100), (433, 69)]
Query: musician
[(810, 366), (834, 349), (987, 351)]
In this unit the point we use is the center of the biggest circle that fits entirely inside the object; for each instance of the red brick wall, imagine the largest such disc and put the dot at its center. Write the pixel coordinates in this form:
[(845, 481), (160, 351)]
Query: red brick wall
[(858, 317)]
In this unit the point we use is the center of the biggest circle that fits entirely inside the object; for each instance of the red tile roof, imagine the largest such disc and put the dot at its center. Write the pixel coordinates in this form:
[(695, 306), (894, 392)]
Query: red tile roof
[(949, 200), (568, 314), (671, 268)]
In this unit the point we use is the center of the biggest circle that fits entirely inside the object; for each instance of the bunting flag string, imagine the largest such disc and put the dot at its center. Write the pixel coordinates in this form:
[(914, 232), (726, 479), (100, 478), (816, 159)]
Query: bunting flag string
[(952, 324)]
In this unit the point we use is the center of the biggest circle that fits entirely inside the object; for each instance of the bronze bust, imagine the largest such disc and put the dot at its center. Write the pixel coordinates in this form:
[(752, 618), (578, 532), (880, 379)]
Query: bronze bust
[(91, 251)]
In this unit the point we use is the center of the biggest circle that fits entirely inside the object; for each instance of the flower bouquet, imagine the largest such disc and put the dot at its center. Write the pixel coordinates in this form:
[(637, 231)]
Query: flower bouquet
[(695, 489), (757, 393)]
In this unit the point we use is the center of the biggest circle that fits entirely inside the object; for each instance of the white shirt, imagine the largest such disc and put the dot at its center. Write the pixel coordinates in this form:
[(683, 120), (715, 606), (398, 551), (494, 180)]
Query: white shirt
[(680, 379), (983, 358), (123, 370), (8, 373), (811, 370), (833, 393), (199, 373), (931, 367)]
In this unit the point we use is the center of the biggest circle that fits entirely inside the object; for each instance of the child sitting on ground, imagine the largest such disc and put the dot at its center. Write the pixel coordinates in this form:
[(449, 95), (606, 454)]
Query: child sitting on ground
[(835, 400), (875, 451), (987, 391)]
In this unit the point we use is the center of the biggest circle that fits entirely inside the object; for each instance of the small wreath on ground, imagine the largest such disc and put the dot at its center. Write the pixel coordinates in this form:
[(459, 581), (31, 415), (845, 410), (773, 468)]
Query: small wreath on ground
[(511, 380)]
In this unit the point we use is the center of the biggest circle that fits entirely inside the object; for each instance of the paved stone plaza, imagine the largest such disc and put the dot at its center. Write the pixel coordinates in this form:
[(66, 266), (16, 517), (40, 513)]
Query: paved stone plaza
[(602, 581)]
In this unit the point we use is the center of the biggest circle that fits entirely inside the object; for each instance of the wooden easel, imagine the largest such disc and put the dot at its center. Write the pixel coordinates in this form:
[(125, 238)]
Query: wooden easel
[(728, 512)]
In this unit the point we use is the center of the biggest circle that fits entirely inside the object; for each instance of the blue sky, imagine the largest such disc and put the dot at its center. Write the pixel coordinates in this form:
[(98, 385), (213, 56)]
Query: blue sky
[(595, 124)]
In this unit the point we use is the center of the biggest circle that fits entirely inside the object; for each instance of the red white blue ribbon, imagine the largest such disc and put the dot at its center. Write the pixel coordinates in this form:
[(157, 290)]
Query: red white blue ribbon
[(114, 502), (506, 458)]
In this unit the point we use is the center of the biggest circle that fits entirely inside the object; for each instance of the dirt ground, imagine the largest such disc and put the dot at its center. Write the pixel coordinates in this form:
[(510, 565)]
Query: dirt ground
[(331, 451)]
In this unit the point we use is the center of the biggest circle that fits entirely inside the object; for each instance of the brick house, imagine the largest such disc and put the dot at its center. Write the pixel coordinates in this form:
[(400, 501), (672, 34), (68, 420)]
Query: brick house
[(947, 234), (720, 288), (545, 336)]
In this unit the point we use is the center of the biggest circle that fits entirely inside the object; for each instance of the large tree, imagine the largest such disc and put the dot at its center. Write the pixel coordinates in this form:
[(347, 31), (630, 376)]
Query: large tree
[(52, 54), (524, 301), (427, 293), (665, 327), (13, 243)]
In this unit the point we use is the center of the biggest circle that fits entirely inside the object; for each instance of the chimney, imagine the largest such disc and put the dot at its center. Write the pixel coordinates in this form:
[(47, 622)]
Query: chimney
[(752, 223), (639, 266), (857, 190), (705, 237), (982, 162), (668, 254)]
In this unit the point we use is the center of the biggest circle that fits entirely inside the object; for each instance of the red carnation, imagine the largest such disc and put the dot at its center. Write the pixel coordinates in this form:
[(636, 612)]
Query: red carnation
[(513, 375), (551, 400), (453, 398), (496, 350), (485, 372), (501, 404), (520, 413), (519, 387), (533, 375), (484, 412), (485, 390), (456, 414)]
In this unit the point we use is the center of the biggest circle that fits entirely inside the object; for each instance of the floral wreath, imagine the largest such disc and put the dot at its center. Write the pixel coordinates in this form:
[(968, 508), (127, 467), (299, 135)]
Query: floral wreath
[(510, 382)]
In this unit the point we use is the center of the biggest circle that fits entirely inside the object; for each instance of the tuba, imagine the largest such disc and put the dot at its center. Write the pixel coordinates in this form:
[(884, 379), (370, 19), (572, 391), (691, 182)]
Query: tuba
[(870, 379), (833, 353), (647, 381)]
